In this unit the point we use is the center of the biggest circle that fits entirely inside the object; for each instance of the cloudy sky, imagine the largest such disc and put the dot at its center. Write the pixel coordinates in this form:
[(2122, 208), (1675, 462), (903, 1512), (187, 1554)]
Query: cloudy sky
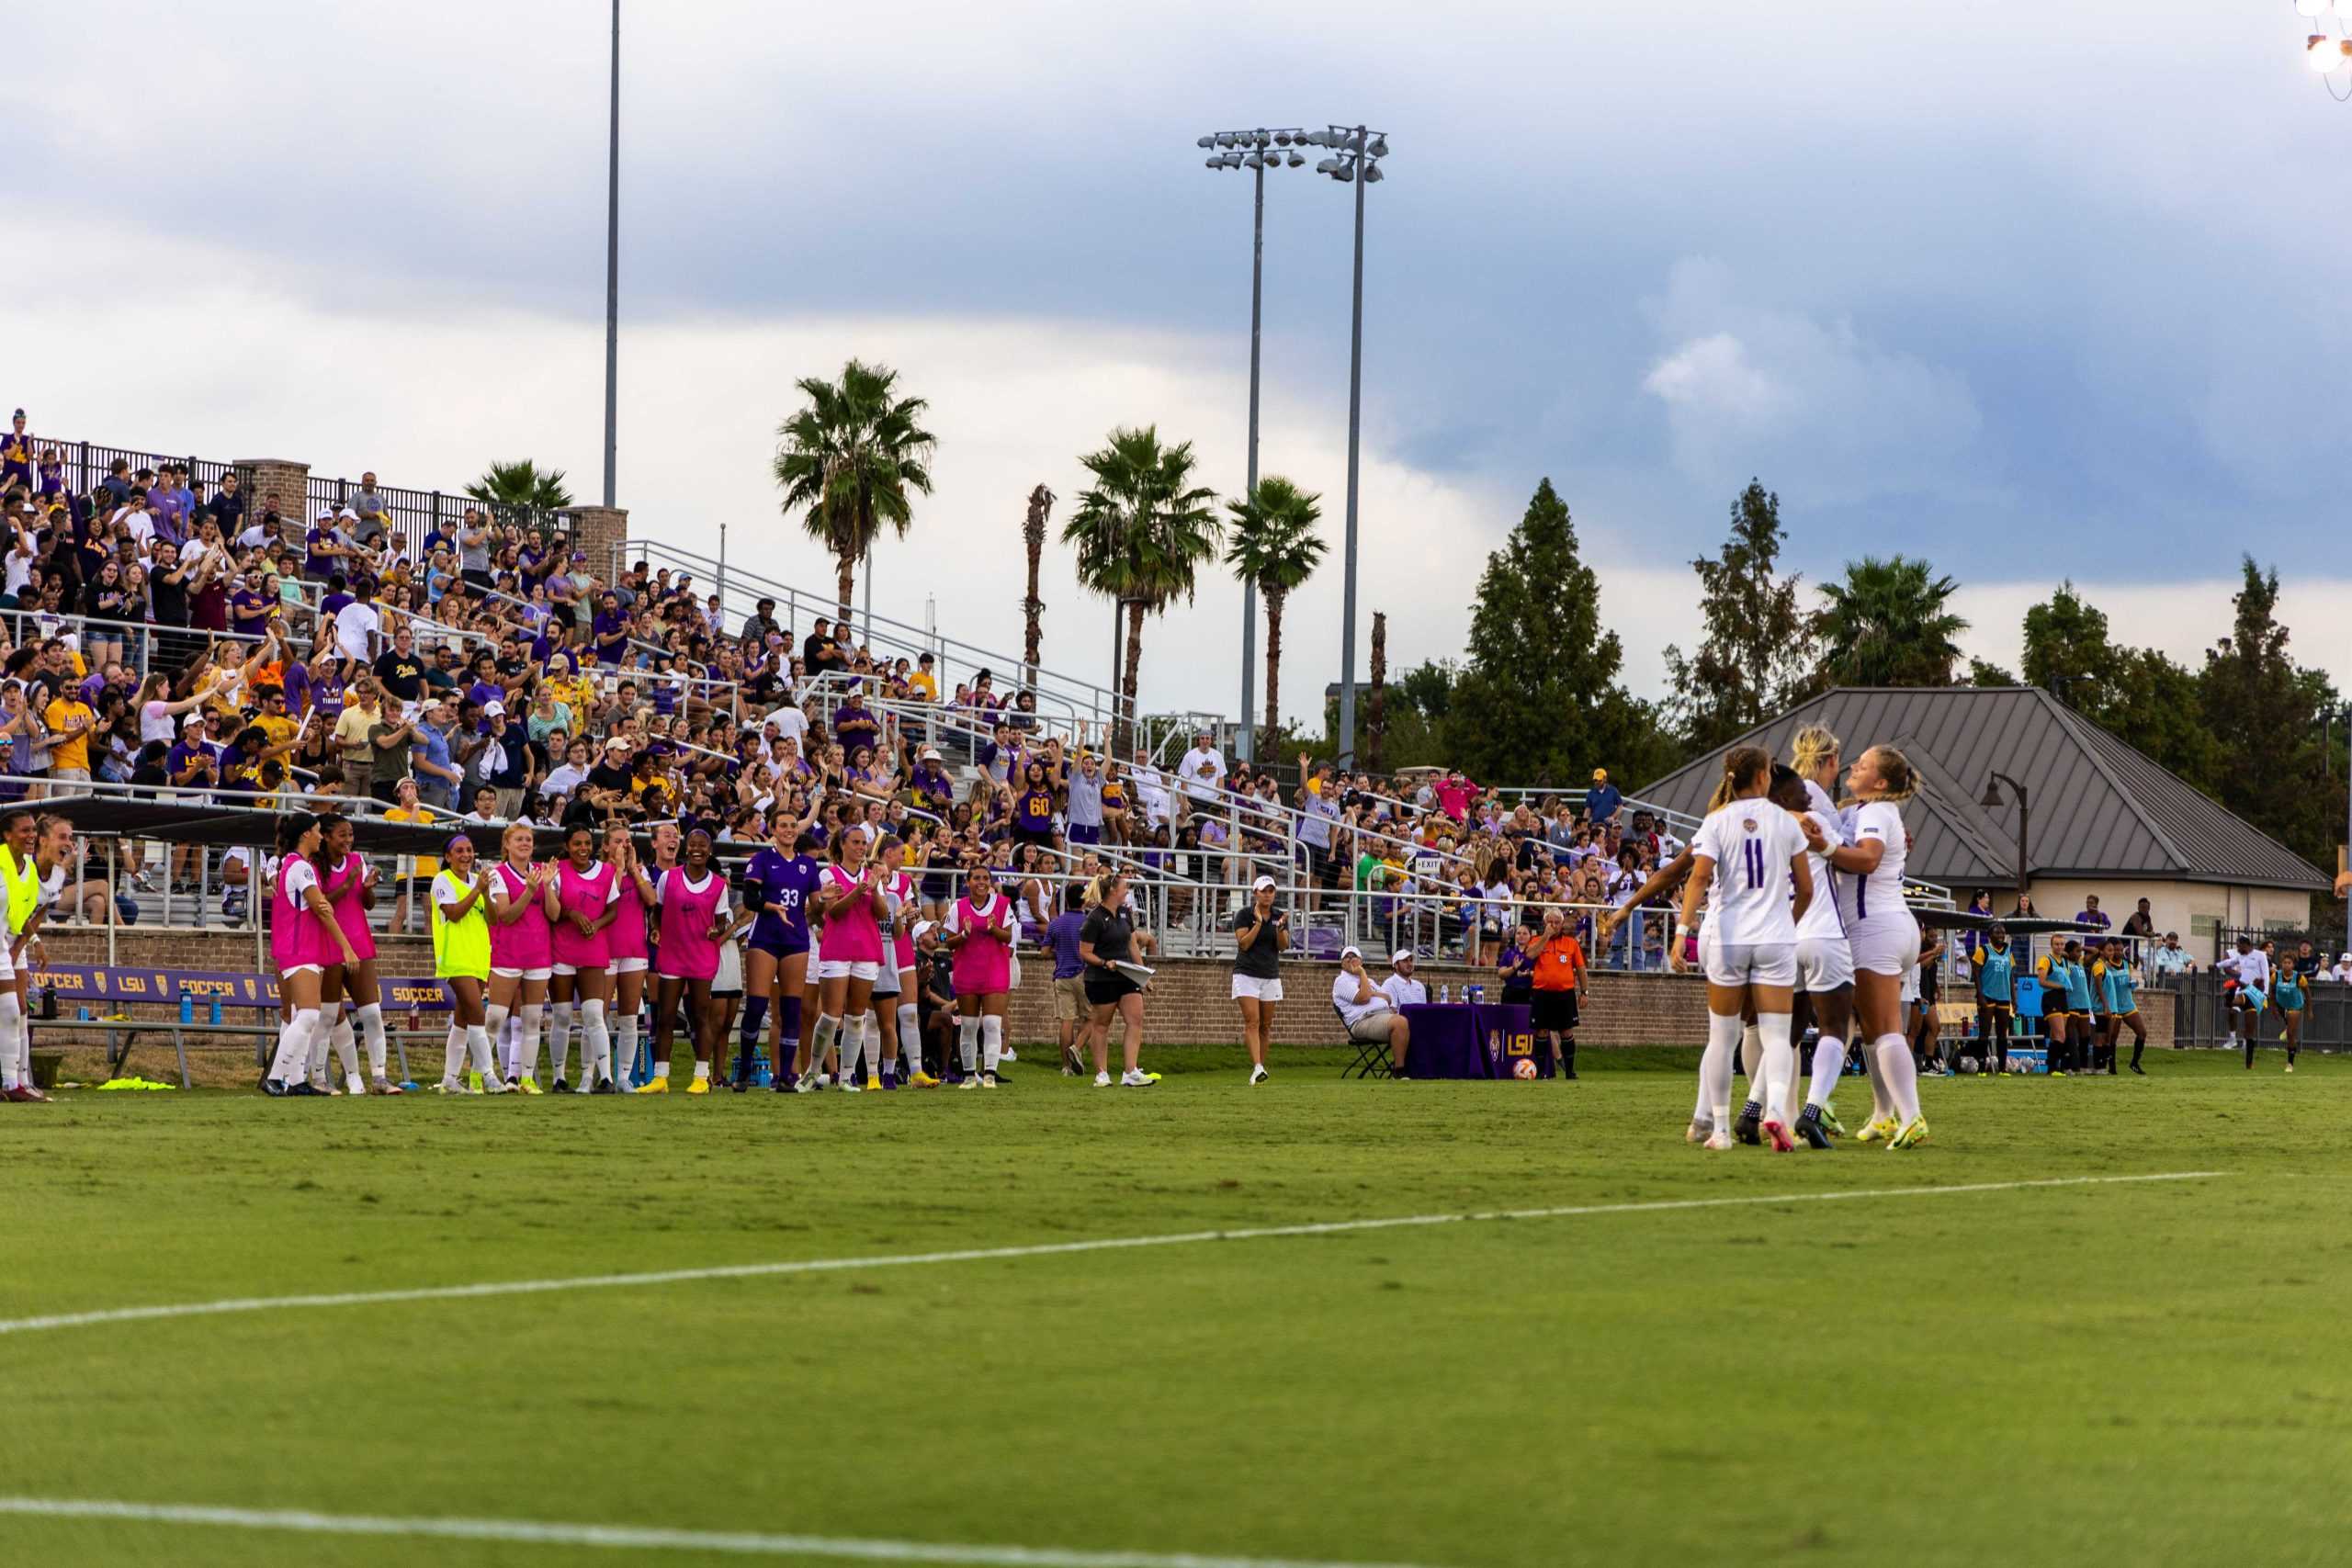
[(2034, 289)]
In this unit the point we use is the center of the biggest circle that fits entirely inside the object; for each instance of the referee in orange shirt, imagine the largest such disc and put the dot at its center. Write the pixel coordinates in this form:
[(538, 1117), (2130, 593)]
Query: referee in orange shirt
[(1558, 959)]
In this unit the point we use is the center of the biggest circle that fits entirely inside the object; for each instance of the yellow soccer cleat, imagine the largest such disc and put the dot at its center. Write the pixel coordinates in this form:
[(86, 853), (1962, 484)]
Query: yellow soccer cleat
[(1830, 1124), (527, 1084), (700, 1086), (654, 1086), (1914, 1134), (924, 1080), (1877, 1131), (873, 1084)]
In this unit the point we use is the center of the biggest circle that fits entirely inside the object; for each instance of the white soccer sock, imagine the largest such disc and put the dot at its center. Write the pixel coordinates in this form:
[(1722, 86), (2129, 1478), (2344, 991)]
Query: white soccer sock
[(371, 1029), (627, 1069), (821, 1039), (909, 1038), (1779, 1066), (346, 1048), (1751, 1055), (12, 1017), (494, 1021), (967, 1042), (485, 1055), (1715, 1067), (291, 1064), (702, 1069), (859, 1045), (526, 1046), (322, 1043), (453, 1055), (596, 1052), (1901, 1075), (1829, 1062), (560, 1042), (991, 1042)]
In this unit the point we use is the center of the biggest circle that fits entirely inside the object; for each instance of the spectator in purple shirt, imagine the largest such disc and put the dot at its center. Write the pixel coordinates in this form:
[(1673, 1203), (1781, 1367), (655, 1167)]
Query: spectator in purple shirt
[(611, 629), (2092, 915), (931, 782)]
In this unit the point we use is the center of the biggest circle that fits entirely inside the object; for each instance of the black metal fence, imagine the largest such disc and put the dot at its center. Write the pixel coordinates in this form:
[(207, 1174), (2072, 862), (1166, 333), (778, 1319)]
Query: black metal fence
[(413, 514), (2203, 1014)]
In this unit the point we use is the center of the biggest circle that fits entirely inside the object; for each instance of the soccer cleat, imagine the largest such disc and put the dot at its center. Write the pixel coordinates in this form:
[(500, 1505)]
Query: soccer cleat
[(1701, 1128), (923, 1080), (2143, 1072), (1878, 1130), (1101, 1081), (847, 1087), (651, 1086), (1912, 1133), (972, 1082), (1006, 1055), (806, 1083), (526, 1083), (1138, 1079), (492, 1086), (383, 1085), (605, 1085), (561, 1087), (302, 1088), (873, 1084), (987, 1081), (274, 1089), (700, 1086), (446, 1086), (1830, 1124), (585, 1086), (1809, 1128), (2290, 1066), (1777, 1135), (1258, 1075), (1747, 1126), (1719, 1139)]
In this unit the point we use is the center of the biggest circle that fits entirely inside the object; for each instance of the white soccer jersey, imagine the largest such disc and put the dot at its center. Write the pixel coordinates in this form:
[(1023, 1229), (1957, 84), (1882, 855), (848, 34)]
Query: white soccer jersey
[(1751, 842), (1817, 799), (1821, 918), (1864, 899)]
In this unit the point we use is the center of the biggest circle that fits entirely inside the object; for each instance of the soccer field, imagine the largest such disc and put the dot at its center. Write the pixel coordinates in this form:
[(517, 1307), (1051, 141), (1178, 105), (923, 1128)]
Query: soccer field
[(2004, 1347)]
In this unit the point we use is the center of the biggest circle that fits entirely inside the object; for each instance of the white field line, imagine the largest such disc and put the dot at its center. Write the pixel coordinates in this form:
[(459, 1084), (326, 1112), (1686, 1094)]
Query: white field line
[(1041, 1249), (633, 1538)]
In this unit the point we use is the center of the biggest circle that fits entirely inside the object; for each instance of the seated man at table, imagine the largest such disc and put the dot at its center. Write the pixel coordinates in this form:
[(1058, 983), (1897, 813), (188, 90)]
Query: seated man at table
[(1400, 987), (1366, 1011)]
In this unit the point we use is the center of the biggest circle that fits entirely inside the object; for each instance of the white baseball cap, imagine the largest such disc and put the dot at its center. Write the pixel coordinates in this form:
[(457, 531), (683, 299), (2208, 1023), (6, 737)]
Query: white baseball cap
[(1262, 885), (493, 709), (1399, 956), (1347, 952)]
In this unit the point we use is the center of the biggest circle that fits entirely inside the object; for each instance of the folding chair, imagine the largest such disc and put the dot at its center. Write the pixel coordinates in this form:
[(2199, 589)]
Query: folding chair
[(1372, 1055)]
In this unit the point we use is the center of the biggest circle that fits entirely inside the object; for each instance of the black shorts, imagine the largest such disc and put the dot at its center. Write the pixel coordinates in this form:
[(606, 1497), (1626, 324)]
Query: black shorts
[(1320, 872), (1555, 1010), (1105, 986)]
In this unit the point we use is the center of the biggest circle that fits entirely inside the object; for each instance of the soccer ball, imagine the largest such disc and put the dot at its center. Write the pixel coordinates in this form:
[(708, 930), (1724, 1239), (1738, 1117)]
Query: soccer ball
[(1523, 1068)]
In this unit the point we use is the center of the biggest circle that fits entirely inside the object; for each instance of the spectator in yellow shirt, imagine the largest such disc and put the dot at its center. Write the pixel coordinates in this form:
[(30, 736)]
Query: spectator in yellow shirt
[(70, 720), (923, 682), (419, 871)]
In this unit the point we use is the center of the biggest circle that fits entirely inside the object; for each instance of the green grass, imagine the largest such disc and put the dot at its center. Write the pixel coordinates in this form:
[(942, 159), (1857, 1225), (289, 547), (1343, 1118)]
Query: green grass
[(2091, 1374)]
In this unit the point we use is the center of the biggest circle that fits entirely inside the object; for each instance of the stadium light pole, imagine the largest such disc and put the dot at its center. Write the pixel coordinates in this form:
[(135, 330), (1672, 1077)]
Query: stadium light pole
[(1992, 802), (1355, 159), (1256, 150), (612, 270)]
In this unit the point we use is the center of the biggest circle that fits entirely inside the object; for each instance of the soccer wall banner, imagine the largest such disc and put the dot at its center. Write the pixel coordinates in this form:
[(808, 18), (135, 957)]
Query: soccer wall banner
[(79, 984)]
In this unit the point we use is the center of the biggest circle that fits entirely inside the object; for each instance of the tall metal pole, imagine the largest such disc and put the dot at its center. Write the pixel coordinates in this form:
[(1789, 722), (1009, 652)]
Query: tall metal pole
[(1346, 737), (613, 273), (1245, 739)]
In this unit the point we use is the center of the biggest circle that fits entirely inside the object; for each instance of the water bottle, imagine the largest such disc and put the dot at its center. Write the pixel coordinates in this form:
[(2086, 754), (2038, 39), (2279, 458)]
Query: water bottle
[(1444, 993), (1478, 996), (187, 1006), (216, 1010)]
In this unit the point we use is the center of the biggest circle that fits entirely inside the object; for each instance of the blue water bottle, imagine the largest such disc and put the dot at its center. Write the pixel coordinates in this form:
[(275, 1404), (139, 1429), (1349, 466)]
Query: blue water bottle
[(187, 1006), (216, 1010)]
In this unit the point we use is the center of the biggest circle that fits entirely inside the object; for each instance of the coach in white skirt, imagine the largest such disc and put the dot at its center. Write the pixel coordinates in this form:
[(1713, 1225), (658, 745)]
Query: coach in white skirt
[(1261, 932)]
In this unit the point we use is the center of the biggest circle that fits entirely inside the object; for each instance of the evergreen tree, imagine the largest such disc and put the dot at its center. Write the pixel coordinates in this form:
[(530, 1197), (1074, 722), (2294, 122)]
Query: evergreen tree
[(1756, 655), (1539, 701), (2264, 716), (2066, 651)]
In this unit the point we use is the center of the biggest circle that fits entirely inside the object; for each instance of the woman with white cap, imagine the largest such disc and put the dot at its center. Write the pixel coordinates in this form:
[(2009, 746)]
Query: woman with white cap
[(1261, 932)]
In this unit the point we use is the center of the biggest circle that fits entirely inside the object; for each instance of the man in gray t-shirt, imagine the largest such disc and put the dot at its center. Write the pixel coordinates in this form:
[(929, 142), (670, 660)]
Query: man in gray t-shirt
[(473, 550)]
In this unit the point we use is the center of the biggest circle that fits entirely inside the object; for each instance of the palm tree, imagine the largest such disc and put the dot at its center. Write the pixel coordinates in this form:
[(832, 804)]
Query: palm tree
[(848, 460), (1889, 624), (1032, 535), (521, 486), (1274, 546), (1142, 530)]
